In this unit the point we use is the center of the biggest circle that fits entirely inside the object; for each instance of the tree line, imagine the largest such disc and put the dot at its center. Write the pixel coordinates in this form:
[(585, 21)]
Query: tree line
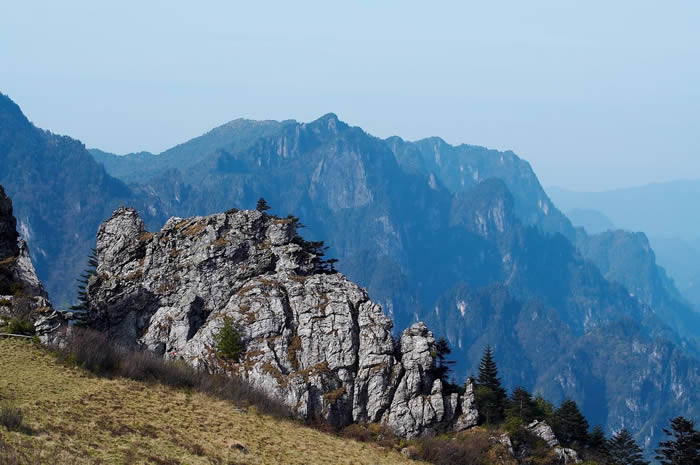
[(571, 428)]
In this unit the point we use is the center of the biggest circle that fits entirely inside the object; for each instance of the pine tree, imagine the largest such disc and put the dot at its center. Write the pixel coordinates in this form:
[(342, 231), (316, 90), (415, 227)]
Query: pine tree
[(684, 445), (488, 406), (545, 409), (443, 365), (262, 205), (228, 341), (596, 440), (488, 372), (623, 450), (83, 281), (570, 425), (522, 406), (490, 395)]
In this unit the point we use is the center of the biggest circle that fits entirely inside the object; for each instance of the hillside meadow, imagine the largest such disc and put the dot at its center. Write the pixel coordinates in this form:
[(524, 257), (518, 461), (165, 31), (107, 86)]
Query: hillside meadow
[(72, 417)]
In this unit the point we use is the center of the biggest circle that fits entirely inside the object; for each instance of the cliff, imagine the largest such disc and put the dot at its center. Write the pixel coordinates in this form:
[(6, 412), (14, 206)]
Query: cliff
[(312, 338), (21, 293)]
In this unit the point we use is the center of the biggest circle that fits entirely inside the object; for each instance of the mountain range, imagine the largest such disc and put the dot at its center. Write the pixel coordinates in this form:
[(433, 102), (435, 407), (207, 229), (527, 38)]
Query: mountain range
[(462, 237), (674, 237)]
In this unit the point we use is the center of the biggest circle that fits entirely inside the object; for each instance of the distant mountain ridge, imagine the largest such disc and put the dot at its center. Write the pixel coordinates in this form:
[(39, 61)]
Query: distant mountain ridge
[(232, 136), (60, 195), (461, 236), (592, 221), (644, 208), (658, 210)]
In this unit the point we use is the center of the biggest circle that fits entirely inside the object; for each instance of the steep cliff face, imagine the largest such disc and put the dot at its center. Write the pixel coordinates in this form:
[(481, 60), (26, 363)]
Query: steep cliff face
[(312, 338), (21, 293), (17, 275)]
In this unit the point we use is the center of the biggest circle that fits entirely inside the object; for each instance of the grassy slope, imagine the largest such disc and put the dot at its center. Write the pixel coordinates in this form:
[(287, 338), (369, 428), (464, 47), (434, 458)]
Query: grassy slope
[(79, 418)]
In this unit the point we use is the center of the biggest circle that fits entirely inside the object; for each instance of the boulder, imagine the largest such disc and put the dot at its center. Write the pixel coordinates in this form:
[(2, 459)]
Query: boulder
[(542, 430)]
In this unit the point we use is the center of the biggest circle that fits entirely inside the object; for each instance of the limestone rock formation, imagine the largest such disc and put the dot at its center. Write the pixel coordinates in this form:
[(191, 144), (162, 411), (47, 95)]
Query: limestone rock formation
[(8, 228), (312, 338), (470, 415), (542, 430), (21, 292)]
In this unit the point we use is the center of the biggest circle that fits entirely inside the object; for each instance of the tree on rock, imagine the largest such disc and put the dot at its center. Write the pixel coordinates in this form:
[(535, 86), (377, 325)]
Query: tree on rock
[(262, 205), (490, 395), (684, 445), (442, 364), (228, 341), (570, 425), (623, 450), (83, 281)]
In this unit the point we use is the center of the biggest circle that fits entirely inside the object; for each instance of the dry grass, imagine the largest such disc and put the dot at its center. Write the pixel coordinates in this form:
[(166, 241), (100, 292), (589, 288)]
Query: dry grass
[(194, 229), (79, 418)]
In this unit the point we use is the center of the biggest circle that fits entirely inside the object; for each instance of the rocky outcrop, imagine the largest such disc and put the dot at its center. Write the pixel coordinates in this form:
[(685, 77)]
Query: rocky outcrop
[(312, 338), (17, 275), (469, 415), (542, 430), (21, 293)]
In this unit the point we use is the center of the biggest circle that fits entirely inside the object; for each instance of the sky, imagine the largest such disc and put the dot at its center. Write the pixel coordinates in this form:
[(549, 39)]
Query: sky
[(594, 94)]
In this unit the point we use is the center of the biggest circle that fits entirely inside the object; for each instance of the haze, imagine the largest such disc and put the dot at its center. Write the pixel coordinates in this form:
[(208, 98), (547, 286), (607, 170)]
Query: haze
[(596, 95)]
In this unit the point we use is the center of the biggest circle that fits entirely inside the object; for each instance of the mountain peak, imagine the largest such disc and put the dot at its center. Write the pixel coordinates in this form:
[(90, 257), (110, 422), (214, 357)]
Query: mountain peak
[(10, 111), (329, 122), (329, 117)]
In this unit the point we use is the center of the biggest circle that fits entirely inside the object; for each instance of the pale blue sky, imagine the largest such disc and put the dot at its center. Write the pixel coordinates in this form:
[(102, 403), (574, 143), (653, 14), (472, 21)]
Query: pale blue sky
[(594, 94)]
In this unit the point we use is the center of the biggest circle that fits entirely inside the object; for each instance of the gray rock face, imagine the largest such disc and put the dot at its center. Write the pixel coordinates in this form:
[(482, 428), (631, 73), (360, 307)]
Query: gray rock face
[(542, 430), (470, 415), (24, 273), (17, 273), (313, 339), (567, 456), (21, 293), (504, 440)]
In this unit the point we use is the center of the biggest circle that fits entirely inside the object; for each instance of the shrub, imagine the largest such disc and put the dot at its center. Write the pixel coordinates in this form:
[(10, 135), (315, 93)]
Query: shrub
[(228, 341), (467, 449), (145, 366), (91, 350), (21, 326), (371, 432), (11, 418), (513, 425), (96, 353)]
